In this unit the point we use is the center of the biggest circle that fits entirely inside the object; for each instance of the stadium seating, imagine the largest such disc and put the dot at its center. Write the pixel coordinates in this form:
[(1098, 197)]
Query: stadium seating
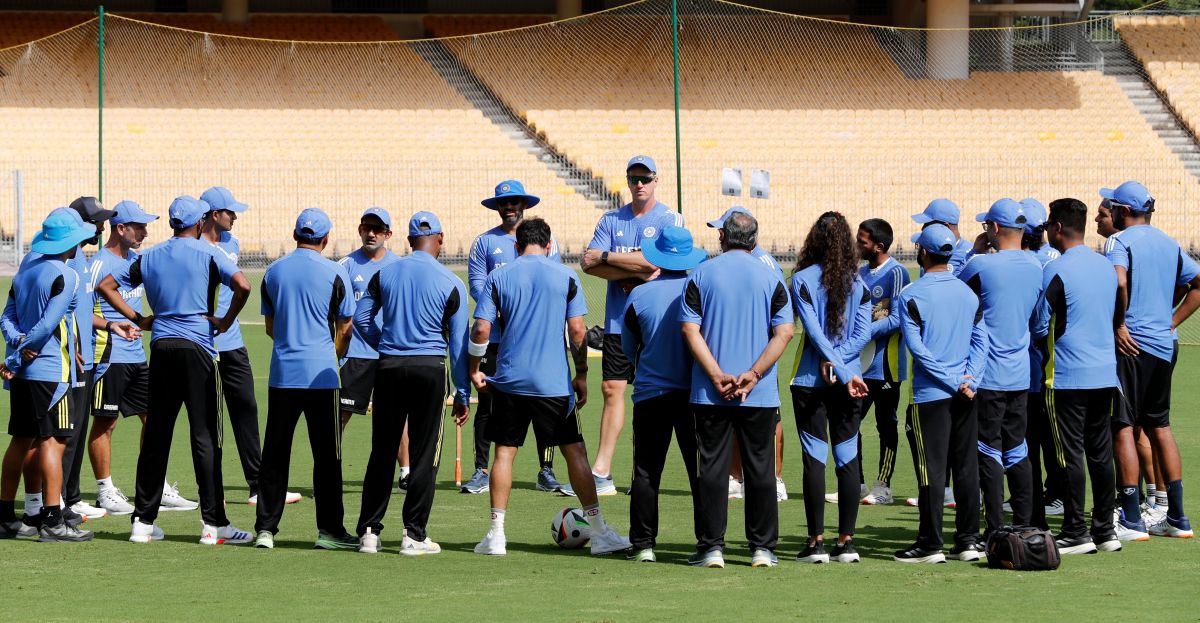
[(1169, 48)]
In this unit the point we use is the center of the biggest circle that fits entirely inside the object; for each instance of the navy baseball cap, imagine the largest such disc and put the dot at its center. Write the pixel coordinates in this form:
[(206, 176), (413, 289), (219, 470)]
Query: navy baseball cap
[(673, 249), (645, 161), (1131, 194), (428, 219), (510, 188), (90, 209), (1005, 213), (1035, 214), (220, 198), (130, 212), (63, 229), (936, 239), (380, 214), (719, 223), (313, 224), (186, 211), (938, 210)]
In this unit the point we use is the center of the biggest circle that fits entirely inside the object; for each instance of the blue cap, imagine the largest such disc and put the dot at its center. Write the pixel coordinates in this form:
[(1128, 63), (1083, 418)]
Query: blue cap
[(936, 239), (380, 214), (62, 230), (510, 188), (313, 224), (1035, 214), (645, 161), (428, 219), (130, 212), (1005, 213), (1131, 194), (220, 198), (673, 249), (719, 223), (186, 211), (939, 210)]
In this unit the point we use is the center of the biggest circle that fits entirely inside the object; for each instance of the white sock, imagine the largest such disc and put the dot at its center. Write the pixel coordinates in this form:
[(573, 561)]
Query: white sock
[(595, 517), (404, 471), (498, 519), (33, 504), (105, 483)]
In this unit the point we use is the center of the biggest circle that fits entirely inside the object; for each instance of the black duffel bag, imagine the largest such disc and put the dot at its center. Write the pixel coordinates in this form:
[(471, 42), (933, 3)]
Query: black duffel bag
[(1022, 548)]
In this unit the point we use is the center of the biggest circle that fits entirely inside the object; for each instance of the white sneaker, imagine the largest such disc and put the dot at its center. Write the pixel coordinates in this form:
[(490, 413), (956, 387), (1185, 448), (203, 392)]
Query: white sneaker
[(604, 484), (265, 540), (112, 500), (87, 510), (832, 498), (1113, 545), (949, 502), (1054, 508), (144, 532), (228, 535), (880, 494), (608, 541), (172, 501), (736, 489), (764, 558), (780, 489), (290, 497), (495, 544), (409, 547), (911, 502), (1135, 532), (369, 542)]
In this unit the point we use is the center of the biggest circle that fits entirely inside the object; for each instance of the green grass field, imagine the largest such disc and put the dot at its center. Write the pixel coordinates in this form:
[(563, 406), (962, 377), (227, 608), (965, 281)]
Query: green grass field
[(111, 579)]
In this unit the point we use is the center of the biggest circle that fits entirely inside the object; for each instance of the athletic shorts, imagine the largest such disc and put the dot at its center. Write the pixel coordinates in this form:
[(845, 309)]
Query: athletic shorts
[(553, 423), (123, 390), (1144, 396), (358, 380), (33, 412), (615, 366)]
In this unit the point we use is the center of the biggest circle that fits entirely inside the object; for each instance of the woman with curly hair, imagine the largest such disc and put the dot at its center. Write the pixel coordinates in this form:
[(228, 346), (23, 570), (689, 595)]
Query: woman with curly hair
[(834, 308)]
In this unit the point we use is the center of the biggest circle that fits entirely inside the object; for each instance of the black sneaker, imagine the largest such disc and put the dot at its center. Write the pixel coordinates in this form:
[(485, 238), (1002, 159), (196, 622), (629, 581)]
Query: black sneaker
[(813, 553), (63, 533), (844, 552), (402, 485), (1075, 545), (969, 552), (919, 555), (10, 529), (71, 518)]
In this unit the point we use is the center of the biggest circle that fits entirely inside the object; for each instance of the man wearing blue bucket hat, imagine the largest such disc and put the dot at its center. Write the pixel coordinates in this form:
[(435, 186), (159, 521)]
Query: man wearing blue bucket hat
[(652, 336), (1008, 283), (614, 254), (180, 276), (42, 366), (492, 249), (1146, 350)]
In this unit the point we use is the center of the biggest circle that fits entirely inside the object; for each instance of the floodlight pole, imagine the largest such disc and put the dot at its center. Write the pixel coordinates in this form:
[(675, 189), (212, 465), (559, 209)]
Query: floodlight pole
[(675, 55), (100, 97)]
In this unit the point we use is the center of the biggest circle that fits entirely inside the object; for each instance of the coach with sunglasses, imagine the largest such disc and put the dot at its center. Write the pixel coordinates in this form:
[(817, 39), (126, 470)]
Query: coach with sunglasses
[(615, 254)]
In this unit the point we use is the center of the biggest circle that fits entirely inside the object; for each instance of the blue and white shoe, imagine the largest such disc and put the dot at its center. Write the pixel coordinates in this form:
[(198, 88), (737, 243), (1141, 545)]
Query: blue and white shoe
[(1129, 530), (712, 559), (604, 484), (1179, 528), (479, 483), (547, 482)]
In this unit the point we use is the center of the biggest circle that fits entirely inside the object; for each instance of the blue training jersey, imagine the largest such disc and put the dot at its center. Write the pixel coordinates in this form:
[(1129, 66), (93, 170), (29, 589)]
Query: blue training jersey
[(1008, 284), (737, 305), (619, 231), (305, 294), (422, 307), (532, 297), (228, 246), (181, 277), (112, 349), (653, 337), (942, 322), (39, 316), (361, 269), (889, 361), (1155, 264), (84, 307), (768, 260), (491, 250), (809, 300), (1075, 315), (1037, 345)]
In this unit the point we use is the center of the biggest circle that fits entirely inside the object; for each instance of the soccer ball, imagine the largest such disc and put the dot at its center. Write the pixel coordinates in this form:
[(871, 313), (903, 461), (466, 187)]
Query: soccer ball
[(570, 529)]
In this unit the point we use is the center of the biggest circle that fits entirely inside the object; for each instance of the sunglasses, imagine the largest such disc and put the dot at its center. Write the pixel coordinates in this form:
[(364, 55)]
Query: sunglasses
[(640, 179), (509, 203), (373, 228)]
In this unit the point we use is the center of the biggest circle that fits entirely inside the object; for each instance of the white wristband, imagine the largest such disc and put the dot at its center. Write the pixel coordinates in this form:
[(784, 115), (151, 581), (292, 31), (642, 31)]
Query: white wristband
[(477, 350)]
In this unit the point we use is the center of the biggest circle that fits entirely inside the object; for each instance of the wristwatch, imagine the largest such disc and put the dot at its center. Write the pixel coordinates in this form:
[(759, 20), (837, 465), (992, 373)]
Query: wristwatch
[(604, 257)]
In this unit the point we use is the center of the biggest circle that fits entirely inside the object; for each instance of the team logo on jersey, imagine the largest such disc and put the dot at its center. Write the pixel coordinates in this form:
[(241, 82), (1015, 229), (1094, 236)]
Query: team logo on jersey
[(358, 279), (497, 251), (877, 292), (620, 233), (649, 232)]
